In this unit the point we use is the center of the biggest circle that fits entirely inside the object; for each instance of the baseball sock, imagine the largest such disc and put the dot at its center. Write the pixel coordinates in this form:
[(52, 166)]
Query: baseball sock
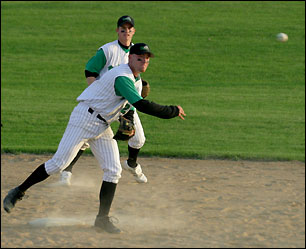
[(69, 168), (38, 175), (106, 197), (133, 153)]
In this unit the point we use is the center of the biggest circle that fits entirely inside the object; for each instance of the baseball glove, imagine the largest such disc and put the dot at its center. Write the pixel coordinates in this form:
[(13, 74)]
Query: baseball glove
[(145, 89), (126, 128)]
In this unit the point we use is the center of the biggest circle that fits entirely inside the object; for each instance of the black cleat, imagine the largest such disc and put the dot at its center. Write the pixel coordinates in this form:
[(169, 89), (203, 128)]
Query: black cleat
[(12, 197), (105, 223)]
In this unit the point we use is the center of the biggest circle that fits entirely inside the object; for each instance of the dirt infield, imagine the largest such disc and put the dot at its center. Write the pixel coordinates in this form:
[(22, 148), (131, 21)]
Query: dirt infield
[(186, 203)]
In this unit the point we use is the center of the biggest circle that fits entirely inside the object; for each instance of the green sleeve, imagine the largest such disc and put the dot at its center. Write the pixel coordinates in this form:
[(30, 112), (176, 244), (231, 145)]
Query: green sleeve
[(97, 62), (125, 87)]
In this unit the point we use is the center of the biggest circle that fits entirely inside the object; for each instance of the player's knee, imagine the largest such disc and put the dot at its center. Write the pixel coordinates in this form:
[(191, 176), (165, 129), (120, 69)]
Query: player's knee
[(52, 166), (142, 141), (112, 175), (138, 142)]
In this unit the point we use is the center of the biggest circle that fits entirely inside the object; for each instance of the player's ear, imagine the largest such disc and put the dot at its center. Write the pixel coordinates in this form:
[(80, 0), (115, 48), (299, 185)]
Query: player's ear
[(130, 57), (133, 31)]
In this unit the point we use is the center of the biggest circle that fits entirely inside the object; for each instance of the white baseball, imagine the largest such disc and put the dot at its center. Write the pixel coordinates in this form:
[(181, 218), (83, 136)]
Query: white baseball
[(282, 37)]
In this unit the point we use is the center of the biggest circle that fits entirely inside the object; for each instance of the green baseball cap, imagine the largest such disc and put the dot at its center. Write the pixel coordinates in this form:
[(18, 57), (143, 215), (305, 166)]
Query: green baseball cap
[(125, 19), (141, 48)]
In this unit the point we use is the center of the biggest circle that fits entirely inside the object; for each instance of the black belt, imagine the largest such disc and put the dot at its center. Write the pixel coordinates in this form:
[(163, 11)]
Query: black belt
[(98, 116)]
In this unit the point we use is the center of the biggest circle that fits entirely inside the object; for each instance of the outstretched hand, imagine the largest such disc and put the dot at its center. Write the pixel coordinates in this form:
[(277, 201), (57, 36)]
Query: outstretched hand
[(181, 112)]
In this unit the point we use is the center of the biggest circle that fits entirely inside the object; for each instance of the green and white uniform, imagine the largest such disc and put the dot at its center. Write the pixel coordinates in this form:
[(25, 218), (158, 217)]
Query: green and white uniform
[(107, 57), (109, 94), (106, 96)]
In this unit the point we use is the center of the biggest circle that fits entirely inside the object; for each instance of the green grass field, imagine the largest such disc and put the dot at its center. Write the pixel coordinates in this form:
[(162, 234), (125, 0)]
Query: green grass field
[(243, 92)]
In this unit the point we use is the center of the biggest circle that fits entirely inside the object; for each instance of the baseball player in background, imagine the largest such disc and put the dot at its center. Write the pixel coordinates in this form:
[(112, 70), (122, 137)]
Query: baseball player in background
[(107, 57), (98, 106)]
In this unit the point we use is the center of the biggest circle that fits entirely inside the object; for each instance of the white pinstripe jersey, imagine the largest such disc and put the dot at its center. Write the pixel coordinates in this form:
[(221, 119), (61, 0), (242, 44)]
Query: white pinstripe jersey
[(114, 55), (101, 95)]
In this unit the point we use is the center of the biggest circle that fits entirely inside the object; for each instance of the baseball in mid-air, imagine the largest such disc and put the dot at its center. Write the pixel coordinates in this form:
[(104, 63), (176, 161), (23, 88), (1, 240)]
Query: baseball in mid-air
[(282, 37)]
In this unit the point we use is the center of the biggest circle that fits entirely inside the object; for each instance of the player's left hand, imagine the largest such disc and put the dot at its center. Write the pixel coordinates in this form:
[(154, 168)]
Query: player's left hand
[(126, 128), (145, 88)]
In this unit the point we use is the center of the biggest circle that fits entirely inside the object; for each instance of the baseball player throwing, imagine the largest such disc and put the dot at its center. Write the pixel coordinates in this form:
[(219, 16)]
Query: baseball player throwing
[(107, 57), (98, 106)]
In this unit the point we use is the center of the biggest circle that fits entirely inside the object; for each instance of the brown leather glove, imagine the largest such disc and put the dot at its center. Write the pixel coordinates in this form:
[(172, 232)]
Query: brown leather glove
[(145, 88), (126, 128)]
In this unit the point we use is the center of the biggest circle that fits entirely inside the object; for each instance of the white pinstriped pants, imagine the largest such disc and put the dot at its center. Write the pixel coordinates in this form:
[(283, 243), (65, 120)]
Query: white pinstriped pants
[(138, 140), (84, 127)]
